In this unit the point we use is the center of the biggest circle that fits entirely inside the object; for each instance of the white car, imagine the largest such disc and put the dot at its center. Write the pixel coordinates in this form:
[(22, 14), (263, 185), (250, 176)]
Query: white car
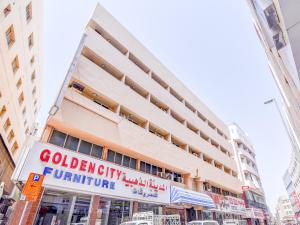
[(203, 222), (138, 222)]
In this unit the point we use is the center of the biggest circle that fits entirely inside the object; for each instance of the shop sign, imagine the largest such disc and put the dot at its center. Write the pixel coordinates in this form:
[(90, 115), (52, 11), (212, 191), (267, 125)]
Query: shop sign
[(295, 201), (72, 171), (228, 204), (254, 213), (33, 186)]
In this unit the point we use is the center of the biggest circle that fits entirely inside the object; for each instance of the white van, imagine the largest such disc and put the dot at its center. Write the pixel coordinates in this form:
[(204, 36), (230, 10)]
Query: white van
[(203, 222)]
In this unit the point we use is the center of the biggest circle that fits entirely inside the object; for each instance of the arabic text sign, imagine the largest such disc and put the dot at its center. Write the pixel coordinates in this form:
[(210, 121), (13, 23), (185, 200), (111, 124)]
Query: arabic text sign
[(81, 173)]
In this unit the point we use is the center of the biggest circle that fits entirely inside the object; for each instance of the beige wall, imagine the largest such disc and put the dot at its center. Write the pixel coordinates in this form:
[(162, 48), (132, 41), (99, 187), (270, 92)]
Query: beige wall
[(10, 89), (80, 116)]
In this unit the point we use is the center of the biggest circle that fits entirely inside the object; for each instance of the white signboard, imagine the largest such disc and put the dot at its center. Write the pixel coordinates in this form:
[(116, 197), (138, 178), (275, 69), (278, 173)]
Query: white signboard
[(73, 171)]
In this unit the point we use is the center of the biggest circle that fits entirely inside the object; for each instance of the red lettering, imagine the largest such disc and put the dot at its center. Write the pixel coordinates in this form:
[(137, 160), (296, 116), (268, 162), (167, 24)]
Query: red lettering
[(83, 165), (91, 167), (119, 172), (64, 164), (45, 155), (107, 168), (100, 170), (74, 163), (56, 158), (112, 171)]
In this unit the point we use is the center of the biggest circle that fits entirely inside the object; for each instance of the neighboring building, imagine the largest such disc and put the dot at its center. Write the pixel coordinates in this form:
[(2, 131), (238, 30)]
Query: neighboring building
[(257, 209), (125, 135), (284, 212), (291, 180), (277, 25), (20, 77)]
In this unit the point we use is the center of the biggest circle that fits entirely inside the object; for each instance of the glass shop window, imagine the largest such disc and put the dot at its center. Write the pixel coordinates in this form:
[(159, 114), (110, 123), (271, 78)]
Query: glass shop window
[(57, 138), (97, 151), (71, 143), (85, 147)]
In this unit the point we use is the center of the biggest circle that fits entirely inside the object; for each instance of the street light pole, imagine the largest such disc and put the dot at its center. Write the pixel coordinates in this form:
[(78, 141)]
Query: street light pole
[(288, 127)]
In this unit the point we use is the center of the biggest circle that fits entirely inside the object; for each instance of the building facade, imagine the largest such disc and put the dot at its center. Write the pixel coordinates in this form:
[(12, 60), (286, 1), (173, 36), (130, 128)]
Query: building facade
[(277, 25), (291, 180), (124, 136), (284, 212), (20, 76), (253, 193)]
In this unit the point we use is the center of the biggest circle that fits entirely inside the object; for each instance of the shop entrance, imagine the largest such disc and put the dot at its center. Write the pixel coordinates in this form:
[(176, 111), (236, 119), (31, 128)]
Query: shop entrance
[(62, 208)]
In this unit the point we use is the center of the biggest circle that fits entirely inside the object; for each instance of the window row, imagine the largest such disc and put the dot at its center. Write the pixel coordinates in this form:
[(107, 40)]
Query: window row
[(217, 190), (155, 77), (126, 114), (11, 38), (143, 93), (28, 10), (75, 144)]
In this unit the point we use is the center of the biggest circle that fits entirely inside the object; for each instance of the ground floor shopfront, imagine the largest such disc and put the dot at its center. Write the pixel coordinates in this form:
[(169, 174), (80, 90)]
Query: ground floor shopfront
[(81, 190)]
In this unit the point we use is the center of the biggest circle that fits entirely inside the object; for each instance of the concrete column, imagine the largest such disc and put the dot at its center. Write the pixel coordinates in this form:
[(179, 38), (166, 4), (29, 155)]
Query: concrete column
[(138, 164), (147, 125), (185, 123), (168, 137), (104, 153), (150, 73), (93, 209), (46, 134), (201, 155), (213, 162), (24, 212), (127, 54), (169, 111), (199, 185), (118, 108), (148, 97), (123, 78), (188, 181), (135, 207), (186, 148)]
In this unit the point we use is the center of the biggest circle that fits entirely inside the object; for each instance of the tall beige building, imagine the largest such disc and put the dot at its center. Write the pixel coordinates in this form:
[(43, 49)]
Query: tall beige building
[(284, 212), (20, 76), (124, 118)]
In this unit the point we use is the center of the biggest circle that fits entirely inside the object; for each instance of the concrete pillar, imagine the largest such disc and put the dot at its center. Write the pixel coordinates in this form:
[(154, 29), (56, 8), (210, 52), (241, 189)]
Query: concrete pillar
[(169, 111), (147, 125), (135, 207), (186, 148), (138, 164), (127, 54), (93, 209), (123, 78), (201, 155), (104, 153), (168, 137), (24, 212), (198, 132), (168, 88), (148, 97), (188, 181), (223, 169), (46, 134), (213, 162), (199, 185), (118, 108), (185, 123)]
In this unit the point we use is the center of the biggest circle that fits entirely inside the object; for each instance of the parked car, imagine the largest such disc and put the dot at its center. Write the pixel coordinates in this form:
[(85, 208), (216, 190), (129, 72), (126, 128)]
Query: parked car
[(203, 222)]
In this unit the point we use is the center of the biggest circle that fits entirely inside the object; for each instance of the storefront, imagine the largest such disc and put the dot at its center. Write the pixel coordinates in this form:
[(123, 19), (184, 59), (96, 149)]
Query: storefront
[(227, 208), (255, 216), (80, 188)]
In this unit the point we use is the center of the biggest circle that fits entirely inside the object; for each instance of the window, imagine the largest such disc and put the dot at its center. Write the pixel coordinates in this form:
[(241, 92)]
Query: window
[(3, 111), (10, 36), (7, 124), (132, 163), (57, 138), (71, 143), (14, 147), (32, 60), (29, 12), (30, 40), (97, 151), (21, 98), (19, 83), (10, 136), (126, 161), (110, 156), (118, 158), (7, 10), (33, 76), (15, 64), (85, 147)]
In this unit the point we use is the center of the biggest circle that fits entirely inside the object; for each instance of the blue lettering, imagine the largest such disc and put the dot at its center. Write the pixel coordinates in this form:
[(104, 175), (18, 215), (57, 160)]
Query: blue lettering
[(112, 185), (105, 183), (47, 170), (68, 176), (97, 182), (89, 180), (83, 179), (58, 176), (76, 178)]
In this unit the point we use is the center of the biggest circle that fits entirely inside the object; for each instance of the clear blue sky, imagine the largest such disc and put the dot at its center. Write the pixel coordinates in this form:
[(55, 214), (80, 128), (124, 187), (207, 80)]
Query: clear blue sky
[(211, 46)]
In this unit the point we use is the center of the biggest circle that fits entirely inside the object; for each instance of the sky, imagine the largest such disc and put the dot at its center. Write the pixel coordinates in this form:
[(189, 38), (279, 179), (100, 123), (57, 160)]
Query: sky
[(211, 46)]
